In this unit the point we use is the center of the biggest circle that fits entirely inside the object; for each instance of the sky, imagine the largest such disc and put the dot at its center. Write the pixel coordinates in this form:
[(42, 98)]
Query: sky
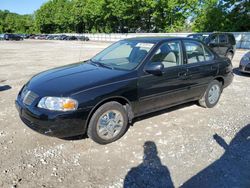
[(21, 6)]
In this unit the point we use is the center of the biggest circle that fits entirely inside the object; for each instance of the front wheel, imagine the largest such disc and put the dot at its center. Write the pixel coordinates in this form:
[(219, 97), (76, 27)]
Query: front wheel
[(211, 95), (108, 123)]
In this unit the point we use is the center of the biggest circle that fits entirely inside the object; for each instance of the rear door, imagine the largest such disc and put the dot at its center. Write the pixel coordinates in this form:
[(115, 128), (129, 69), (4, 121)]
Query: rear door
[(201, 67), (160, 91)]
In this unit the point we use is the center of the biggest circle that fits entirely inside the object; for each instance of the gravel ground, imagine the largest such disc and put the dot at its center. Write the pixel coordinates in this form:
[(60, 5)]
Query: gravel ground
[(186, 145)]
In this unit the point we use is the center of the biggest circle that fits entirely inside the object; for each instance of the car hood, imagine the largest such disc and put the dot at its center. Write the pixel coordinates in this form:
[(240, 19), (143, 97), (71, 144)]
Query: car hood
[(67, 80)]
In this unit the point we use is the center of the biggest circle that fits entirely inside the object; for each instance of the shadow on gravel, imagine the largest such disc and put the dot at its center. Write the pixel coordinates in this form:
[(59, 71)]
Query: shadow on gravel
[(151, 173), (232, 169), (236, 71), (5, 87)]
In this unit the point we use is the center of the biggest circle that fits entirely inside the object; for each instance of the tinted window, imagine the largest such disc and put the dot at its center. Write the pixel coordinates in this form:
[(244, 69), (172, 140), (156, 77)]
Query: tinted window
[(222, 38), (214, 39), (194, 51), (169, 54)]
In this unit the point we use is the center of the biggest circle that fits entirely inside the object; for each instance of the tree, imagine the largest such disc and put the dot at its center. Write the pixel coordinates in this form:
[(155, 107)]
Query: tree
[(14, 23), (230, 15), (80, 16)]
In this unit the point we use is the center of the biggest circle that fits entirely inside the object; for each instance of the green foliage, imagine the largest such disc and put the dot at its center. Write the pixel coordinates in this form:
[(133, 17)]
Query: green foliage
[(111, 16), (114, 15), (230, 15), (14, 23)]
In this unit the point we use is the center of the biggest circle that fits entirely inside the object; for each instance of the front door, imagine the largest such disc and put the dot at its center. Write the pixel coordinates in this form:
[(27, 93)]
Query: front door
[(159, 91)]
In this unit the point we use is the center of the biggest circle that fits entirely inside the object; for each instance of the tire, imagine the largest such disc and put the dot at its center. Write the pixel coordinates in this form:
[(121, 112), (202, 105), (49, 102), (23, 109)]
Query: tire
[(230, 55), (206, 100), (113, 109)]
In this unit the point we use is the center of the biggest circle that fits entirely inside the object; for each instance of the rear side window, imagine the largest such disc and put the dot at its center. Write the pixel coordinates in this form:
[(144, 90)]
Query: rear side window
[(194, 51), (214, 39), (223, 38)]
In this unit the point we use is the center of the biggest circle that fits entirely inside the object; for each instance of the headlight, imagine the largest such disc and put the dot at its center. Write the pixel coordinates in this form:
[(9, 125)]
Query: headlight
[(246, 59), (58, 103)]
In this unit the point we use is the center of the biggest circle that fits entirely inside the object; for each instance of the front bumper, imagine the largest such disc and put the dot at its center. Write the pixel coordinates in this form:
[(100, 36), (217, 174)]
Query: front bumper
[(244, 68), (57, 124)]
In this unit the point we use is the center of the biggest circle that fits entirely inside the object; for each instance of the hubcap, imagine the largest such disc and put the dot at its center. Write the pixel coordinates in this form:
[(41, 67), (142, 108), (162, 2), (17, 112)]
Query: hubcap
[(110, 124), (214, 94)]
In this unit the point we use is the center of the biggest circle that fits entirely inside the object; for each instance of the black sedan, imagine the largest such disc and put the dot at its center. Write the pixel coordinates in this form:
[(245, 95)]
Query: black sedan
[(130, 78), (12, 37)]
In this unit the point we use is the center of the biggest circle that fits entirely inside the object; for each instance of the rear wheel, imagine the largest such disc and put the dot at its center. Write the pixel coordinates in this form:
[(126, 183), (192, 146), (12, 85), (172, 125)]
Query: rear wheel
[(108, 123), (212, 94)]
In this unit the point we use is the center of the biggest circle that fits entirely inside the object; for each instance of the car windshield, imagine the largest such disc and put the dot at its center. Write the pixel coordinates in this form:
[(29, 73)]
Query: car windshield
[(124, 55)]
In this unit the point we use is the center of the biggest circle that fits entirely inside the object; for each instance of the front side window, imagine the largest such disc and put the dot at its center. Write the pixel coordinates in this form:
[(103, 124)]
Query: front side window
[(125, 55), (169, 54), (223, 38), (194, 51)]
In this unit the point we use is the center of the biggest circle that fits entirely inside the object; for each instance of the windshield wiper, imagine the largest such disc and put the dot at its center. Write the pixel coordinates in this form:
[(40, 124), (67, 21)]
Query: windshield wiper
[(96, 63), (93, 62)]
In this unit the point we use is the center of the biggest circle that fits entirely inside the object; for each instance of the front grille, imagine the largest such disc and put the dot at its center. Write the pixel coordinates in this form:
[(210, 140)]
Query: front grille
[(247, 68), (28, 97)]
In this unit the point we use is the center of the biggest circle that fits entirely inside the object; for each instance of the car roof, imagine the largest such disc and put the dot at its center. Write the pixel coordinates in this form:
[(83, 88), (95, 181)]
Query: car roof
[(211, 33), (156, 39)]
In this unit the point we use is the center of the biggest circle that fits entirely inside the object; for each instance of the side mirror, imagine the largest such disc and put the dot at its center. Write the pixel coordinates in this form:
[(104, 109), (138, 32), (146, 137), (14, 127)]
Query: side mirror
[(155, 68)]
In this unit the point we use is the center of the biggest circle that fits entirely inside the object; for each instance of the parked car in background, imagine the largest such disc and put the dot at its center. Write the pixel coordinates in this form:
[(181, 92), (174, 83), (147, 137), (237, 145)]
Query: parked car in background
[(245, 63), (32, 36), (51, 37), (70, 38), (62, 37), (223, 44), (12, 37), (198, 36), (42, 37), (54, 37), (130, 78), (83, 38), (24, 36), (1, 36)]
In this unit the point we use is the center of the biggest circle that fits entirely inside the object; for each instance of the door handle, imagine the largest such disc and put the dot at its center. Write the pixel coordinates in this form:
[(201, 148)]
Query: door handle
[(214, 67), (182, 75)]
